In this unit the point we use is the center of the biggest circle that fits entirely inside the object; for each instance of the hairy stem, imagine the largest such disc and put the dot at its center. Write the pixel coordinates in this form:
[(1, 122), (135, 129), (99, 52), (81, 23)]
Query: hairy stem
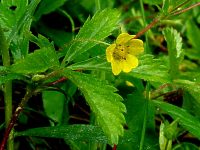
[(156, 20), (149, 26), (186, 9), (14, 118), (4, 48)]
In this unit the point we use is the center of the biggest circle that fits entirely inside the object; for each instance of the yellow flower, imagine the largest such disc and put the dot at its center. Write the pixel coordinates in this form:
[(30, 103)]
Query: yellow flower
[(122, 54)]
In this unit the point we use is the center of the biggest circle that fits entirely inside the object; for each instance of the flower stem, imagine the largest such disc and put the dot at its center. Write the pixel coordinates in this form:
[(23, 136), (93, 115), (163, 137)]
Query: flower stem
[(4, 48), (149, 26)]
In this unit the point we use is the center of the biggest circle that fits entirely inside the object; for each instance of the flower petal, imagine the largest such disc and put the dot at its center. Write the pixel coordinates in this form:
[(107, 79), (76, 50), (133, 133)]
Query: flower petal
[(130, 63), (116, 67), (109, 52), (135, 46), (124, 38)]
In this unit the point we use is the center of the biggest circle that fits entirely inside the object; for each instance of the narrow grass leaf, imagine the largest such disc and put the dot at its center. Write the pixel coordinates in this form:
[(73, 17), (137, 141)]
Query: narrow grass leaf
[(188, 121)]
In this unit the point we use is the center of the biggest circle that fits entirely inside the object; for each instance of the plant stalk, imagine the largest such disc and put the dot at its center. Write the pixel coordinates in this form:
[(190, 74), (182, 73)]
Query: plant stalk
[(15, 116), (156, 20), (7, 89)]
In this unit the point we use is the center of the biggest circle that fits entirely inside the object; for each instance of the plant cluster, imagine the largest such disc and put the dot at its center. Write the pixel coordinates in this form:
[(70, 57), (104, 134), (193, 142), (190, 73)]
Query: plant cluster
[(100, 74)]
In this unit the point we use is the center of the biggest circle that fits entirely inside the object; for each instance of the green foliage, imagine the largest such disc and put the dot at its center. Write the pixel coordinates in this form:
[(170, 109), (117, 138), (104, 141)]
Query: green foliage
[(48, 6), (193, 34), (11, 12), (192, 87), (151, 69), (15, 19), (135, 104), (83, 133), (174, 45), (99, 27), (153, 2), (37, 62), (105, 104), (57, 57), (53, 111), (98, 62), (188, 121)]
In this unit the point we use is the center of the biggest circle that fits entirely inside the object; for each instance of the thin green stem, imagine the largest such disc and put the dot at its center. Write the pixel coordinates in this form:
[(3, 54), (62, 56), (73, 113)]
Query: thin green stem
[(98, 5), (147, 96), (144, 25), (69, 17), (4, 48)]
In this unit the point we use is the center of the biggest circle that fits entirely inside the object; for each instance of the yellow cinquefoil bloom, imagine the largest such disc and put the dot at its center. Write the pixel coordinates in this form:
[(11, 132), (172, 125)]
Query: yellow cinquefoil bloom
[(122, 54)]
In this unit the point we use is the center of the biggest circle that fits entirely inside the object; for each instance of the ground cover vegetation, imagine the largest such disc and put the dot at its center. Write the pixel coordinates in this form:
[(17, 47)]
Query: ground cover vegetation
[(100, 74)]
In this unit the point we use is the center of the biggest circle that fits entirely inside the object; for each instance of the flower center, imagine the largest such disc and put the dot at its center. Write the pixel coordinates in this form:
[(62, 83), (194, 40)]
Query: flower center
[(120, 52)]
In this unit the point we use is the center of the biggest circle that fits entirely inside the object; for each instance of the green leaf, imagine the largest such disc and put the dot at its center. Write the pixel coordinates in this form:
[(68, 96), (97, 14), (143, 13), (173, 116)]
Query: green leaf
[(135, 104), (95, 63), (188, 121), (151, 69), (36, 62), (96, 29), (105, 104), (16, 17), (70, 132), (174, 45), (59, 37), (11, 11), (10, 76), (48, 6), (49, 99), (193, 34), (192, 87), (153, 2), (41, 41)]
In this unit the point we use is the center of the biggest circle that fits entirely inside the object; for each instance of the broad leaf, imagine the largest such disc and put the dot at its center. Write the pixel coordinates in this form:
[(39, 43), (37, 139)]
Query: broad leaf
[(11, 11), (193, 34), (36, 62), (151, 69), (95, 63), (136, 105), (174, 45), (11, 76), (99, 27), (188, 121), (48, 6), (83, 133), (15, 18), (49, 99), (105, 104)]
